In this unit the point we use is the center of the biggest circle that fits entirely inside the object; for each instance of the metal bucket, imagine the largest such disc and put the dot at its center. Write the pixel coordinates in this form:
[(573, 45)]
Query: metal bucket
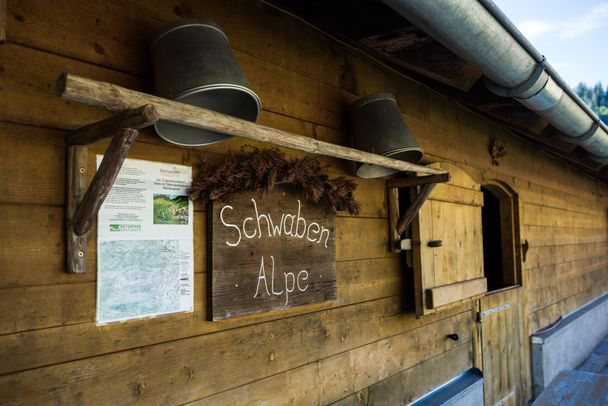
[(378, 126), (193, 63)]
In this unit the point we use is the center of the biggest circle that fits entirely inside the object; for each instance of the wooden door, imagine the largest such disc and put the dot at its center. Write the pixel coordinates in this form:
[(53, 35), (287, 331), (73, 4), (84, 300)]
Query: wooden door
[(448, 244), (503, 347)]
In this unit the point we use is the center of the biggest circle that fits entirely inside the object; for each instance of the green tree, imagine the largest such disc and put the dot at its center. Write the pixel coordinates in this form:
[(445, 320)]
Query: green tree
[(595, 97)]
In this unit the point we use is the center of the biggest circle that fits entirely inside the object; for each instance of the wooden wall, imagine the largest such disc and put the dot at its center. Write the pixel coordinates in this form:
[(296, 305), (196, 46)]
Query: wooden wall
[(364, 348)]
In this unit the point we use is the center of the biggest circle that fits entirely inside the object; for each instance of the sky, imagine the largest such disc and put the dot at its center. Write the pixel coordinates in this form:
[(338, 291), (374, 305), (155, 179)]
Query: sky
[(571, 34)]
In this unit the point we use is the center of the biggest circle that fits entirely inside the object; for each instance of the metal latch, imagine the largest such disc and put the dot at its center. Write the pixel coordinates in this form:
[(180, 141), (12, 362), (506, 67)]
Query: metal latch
[(488, 312)]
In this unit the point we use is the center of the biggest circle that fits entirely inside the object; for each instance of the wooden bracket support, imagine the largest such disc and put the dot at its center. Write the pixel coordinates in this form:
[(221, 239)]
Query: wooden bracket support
[(83, 203), (398, 223)]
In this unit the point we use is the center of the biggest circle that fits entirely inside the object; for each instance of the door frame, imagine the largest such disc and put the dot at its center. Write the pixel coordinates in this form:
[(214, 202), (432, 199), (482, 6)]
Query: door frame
[(506, 194)]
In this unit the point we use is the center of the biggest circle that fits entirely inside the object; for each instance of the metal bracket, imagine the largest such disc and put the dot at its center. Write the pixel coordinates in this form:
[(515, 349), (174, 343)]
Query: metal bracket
[(506, 398), (525, 247), (397, 223), (525, 87), (483, 314), (83, 203)]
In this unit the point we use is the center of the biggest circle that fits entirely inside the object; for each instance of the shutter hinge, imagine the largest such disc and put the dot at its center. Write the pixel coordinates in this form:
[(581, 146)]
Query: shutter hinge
[(488, 312)]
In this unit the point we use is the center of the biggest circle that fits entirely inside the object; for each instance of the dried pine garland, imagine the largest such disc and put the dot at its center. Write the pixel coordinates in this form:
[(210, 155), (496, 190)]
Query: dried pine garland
[(261, 170)]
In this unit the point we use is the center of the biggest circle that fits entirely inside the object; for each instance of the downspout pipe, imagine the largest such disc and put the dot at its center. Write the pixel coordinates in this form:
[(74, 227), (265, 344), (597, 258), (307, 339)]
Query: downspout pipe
[(478, 32)]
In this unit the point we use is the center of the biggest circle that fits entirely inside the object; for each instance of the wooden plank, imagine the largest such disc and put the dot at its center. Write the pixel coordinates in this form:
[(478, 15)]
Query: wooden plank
[(550, 217), (587, 291), (538, 276), (24, 151), (28, 81), (329, 379), (570, 199), (359, 282), (288, 260), (411, 384), (558, 254), (424, 259), (207, 363), (40, 307), (113, 97), (566, 284), (546, 236), (442, 295), (455, 194)]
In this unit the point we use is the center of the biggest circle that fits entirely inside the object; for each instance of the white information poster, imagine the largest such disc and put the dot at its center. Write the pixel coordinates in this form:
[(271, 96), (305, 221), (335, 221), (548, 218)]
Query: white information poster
[(145, 262)]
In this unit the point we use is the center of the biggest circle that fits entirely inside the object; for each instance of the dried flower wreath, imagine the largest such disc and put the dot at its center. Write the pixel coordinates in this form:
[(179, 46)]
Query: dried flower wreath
[(261, 170)]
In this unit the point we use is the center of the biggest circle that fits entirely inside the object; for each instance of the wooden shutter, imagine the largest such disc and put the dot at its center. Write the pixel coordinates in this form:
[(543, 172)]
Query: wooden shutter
[(451, 217)]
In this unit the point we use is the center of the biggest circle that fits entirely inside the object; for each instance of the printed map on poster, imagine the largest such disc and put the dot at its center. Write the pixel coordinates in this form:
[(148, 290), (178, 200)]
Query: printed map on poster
[(144, 244)]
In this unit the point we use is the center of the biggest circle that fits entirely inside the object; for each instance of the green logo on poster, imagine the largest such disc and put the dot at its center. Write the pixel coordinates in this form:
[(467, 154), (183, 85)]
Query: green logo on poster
[(125, 227)]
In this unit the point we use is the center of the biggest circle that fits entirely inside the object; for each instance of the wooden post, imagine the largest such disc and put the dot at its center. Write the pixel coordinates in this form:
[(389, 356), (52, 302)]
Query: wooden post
[(104, 179), (3, 12), (76, 247), (116, 98), (393, 217)]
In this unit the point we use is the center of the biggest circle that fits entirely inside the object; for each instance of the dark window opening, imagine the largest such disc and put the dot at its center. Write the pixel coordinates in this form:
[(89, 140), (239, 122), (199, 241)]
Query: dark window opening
[(500, 237), (492, 241)]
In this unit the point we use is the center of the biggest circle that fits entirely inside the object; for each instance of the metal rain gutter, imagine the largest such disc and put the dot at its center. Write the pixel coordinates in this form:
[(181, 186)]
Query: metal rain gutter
[(478, 32)]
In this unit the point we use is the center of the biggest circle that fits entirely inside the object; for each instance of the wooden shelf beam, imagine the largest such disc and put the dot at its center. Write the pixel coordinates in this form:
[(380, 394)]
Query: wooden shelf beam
[(138, 110), (397, 223), (116, 98)]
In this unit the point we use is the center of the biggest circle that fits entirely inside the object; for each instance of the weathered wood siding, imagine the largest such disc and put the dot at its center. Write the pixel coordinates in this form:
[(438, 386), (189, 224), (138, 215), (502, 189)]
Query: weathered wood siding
[(361, 348)]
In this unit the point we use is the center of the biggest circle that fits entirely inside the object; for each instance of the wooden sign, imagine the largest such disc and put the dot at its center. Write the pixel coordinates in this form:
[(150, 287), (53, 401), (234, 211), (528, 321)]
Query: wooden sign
[(269, 253)]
